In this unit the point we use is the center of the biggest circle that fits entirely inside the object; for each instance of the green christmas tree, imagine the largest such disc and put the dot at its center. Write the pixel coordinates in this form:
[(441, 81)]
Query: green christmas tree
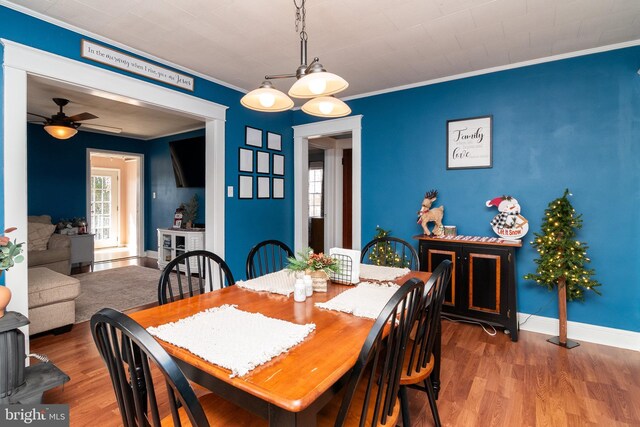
[(383, 253), (562, 258)]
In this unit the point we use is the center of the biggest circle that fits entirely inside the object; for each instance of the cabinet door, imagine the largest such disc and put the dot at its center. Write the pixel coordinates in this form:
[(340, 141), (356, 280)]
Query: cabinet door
[(432, 256), (486, 271)]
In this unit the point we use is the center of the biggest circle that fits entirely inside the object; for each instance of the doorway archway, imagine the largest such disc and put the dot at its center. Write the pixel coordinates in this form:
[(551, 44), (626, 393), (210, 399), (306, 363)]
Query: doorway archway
[(20, 61)]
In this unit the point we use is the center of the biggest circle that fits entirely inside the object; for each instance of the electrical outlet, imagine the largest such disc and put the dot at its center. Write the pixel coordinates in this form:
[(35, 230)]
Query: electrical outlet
[(230, 191), (154, 195)]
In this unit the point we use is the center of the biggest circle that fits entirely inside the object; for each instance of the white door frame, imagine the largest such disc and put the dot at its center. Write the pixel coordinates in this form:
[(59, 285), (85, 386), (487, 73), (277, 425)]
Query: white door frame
[(301, 135), (140, 236), (21, 60)]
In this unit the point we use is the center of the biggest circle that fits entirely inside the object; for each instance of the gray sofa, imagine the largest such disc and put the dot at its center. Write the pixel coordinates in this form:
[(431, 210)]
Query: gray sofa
[(56, 256)]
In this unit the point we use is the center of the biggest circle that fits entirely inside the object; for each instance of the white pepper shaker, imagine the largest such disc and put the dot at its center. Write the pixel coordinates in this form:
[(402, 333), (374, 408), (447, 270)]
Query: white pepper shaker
[(299, 291), (308, 285)]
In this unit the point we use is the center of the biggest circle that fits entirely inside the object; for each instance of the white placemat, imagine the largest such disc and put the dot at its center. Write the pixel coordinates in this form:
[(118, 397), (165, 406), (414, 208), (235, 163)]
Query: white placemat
[(232, 338), (281, 282), (365, 300), (382, 273)]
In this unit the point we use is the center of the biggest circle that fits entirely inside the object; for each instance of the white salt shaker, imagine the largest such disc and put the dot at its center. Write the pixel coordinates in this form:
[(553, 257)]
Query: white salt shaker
[(308, 285), (299, 291)]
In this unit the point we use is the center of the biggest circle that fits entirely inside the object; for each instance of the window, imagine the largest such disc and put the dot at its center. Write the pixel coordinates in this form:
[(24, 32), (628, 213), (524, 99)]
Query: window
[(315, 191)]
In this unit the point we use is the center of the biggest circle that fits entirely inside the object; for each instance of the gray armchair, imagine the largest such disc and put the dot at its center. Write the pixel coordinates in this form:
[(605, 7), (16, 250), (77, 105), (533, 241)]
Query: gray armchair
[(56, 256)]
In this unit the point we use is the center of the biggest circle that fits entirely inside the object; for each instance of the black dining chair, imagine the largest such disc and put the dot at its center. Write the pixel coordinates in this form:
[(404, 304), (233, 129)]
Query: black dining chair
[(370, 397), (133, 358), (267, 257), (390, 252), (419, 360), (193, 273)]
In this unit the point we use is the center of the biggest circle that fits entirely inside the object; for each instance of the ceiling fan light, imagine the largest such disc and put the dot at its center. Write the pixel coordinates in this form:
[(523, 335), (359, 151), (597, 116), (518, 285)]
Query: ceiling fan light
[(319, 83), (60, 132), (267, 99), (326, 106)]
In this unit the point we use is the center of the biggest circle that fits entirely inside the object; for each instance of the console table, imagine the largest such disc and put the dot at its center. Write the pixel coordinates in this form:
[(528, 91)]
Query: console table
[(483, 280), (176, 241)]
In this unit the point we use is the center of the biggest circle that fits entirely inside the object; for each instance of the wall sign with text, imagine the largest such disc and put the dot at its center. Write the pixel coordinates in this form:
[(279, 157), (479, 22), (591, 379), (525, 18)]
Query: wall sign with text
[(469, 143), (117, 59)]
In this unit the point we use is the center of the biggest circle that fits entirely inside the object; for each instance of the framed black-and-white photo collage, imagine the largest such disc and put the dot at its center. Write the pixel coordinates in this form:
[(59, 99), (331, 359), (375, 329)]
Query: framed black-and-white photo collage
[(261, 165)]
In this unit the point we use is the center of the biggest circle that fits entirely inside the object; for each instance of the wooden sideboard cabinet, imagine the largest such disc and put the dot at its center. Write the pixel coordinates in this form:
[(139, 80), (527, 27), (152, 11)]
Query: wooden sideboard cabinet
[(483, 280)]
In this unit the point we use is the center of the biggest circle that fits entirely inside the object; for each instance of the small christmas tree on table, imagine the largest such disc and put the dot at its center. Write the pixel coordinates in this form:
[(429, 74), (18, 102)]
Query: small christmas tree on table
[(384, 254), (562, 260)]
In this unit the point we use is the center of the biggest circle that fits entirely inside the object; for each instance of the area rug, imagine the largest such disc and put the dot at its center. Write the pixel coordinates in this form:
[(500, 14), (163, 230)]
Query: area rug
[(120, 288)]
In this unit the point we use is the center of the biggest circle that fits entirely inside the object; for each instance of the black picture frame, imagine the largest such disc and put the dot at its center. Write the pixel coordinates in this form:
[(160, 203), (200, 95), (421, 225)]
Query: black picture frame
[(470, 143), (274, 141), (253, 136), (243, 166), (276, 191), (263, 162), (264, 183), (248, 185), (275, 165)]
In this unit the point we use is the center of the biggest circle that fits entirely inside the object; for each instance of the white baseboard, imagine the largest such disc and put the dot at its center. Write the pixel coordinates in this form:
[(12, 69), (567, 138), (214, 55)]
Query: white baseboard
[(152, 254), (582, 332)]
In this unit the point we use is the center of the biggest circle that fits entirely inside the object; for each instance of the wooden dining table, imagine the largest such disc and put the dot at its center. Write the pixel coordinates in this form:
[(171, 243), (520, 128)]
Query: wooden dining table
[(292, 388)]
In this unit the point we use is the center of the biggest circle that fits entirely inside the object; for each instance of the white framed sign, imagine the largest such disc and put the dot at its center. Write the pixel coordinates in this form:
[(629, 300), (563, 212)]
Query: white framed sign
[(278, 188), (274, 141), (245, 160), (245, 187), (469, 143), (117, 59)]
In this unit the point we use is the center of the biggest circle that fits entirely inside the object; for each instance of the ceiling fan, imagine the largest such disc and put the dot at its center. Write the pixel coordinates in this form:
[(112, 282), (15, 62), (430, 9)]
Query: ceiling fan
[(61, 126)]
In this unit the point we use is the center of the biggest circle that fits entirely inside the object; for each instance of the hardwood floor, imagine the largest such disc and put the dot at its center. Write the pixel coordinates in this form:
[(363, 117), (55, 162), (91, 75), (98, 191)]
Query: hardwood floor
[(486, 381)]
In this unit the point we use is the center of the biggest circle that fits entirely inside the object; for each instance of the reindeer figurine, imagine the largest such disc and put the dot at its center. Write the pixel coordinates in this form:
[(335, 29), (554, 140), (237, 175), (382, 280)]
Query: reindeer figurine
[(427, 215)]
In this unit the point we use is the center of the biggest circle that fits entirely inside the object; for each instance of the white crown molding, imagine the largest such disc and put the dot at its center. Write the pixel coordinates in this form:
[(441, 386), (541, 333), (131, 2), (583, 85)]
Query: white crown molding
[(582, 332), (114, 43), (500, 68)]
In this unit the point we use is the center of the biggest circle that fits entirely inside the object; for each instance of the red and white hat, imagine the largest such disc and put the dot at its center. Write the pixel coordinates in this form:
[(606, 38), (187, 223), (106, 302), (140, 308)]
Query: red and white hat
[(495, 201)]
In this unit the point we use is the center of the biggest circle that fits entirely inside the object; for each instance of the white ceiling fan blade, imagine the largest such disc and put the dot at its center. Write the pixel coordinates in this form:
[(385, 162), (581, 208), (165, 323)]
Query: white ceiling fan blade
[(102, 128)]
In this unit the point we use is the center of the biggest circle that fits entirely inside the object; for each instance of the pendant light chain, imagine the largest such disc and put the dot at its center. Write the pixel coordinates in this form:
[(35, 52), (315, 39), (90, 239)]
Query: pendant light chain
[(301, 14), (313, 83)]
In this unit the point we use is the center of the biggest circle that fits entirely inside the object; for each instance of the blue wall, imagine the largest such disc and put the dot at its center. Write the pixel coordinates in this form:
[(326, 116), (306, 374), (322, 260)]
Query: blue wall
[(248, 221), (159, 179), (573, 123), (57, 170)]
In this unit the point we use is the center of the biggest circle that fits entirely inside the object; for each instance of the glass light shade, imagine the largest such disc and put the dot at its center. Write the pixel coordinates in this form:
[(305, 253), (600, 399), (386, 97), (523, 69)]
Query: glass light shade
[(267, 99), (318, 83), (326, 106), (60, 132)]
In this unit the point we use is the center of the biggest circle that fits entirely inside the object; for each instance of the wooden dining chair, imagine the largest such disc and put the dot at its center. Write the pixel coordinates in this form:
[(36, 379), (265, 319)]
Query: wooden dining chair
[(267, 257), (134, 359), (193, 273), (370, 397), (419, 360), (390, 252)]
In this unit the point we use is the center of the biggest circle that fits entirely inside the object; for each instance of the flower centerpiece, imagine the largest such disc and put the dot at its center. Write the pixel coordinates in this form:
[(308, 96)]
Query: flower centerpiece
[(10, 254), (318, 266)]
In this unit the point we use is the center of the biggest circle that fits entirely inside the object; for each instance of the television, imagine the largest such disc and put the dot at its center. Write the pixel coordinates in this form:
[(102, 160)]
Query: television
[(188, 160)]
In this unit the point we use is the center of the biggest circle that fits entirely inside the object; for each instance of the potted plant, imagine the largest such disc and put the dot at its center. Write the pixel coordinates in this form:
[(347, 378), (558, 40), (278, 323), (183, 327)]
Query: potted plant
[(318, 266), (10, 253)]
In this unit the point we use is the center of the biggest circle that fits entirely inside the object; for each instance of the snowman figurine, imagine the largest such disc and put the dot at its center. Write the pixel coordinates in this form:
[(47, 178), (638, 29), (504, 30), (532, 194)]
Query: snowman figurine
[(508, 224)]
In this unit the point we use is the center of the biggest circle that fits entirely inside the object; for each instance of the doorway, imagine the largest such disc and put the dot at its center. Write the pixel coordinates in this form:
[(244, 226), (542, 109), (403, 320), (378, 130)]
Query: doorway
[(330, 192), (21, 61), (304, 136), (114, 210)]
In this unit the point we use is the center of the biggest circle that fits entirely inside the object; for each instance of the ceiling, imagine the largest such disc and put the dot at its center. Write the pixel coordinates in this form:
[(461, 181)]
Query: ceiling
[(135, 121), (373, 44)]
